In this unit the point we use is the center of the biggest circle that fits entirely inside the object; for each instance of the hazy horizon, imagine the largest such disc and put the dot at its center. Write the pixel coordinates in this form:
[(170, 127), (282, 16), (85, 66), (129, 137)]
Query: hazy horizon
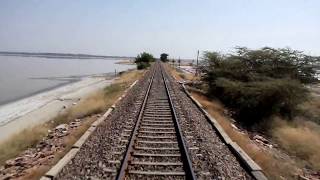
[(179, 28)]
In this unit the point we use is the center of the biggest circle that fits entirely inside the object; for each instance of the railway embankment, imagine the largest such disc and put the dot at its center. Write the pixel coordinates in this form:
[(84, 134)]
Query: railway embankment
[(103, 153)]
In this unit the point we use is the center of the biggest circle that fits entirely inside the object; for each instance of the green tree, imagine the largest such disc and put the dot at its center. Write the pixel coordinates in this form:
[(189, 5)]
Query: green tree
[(278, 63), (143, 60), (259, 83), (164, 57)]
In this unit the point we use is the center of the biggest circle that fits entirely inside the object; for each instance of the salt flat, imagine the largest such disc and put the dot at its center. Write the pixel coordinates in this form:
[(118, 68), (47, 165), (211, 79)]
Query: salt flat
[(40, 108)]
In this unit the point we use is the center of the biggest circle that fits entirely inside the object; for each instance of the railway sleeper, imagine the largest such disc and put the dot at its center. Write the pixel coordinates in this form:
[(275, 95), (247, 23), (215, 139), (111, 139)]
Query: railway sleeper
[(158, 107), (157, 151), (158, 110), (156, 158), (138, 176), (158, 173), (154, 145), (157, 142), (166, 141), (156, 128), (158, 104), (154, 124), (157, 115), (149, 163), (157, 118), (156, 155), (164, 97), (156, 121), (151, 168), (157, 137), (109, 170), (156, 132), (154, 113), (156, 148)]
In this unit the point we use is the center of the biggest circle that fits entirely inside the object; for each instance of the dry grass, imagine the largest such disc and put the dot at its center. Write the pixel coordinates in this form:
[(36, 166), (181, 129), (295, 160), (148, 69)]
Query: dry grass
[(130, 76), (300, 139), (311, 109), (301, 136), (21, 141), (274, 167), (93, 104)]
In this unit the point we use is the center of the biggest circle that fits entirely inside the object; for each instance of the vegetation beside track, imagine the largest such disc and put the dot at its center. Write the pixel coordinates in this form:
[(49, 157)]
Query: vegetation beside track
[(297, 136), (257, 84), (143, 60)]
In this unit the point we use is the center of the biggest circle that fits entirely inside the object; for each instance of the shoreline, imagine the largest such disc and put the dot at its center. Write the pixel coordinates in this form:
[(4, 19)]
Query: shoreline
[(67, 81), (45, 105), (4, 103), (61, 55)]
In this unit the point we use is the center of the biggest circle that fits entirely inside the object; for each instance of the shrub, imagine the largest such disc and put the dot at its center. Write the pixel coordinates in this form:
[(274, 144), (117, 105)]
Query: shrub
[(255, 65), (164, 57), (143, 60), (252, 101), (259, 83), (142, 65)]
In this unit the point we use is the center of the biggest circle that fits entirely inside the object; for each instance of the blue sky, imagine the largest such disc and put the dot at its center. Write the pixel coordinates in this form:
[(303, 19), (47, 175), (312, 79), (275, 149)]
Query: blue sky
[(178, 27)]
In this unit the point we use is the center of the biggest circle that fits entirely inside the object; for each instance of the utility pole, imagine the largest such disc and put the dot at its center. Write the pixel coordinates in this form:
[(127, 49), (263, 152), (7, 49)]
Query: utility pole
[(197, 63)]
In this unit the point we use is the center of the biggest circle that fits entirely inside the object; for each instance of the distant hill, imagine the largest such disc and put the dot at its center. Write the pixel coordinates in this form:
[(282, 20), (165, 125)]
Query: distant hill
[(61, 55)]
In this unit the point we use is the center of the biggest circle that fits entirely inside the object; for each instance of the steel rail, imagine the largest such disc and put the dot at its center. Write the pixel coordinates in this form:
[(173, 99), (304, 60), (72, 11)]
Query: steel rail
[(187, 164), (125, 161), (129, 153)]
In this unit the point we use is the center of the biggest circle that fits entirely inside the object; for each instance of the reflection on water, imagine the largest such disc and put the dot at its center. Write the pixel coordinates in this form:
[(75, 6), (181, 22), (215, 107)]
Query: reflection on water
[(22, 76)]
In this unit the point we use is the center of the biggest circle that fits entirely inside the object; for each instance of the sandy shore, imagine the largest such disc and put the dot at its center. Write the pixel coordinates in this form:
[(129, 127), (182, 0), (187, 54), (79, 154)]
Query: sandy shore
[(40, 108)]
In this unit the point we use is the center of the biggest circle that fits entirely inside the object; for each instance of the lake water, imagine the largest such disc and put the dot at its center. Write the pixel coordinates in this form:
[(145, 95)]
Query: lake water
[(24, 76)]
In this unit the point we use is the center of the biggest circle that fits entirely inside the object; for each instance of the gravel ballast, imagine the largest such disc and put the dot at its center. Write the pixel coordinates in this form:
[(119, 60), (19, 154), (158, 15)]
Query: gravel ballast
[(100, 156), (97, 158), (211, 157)]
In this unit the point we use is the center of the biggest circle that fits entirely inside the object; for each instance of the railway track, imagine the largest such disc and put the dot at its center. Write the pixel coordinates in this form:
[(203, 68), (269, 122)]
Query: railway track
[(156, 149), (156, 132)]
